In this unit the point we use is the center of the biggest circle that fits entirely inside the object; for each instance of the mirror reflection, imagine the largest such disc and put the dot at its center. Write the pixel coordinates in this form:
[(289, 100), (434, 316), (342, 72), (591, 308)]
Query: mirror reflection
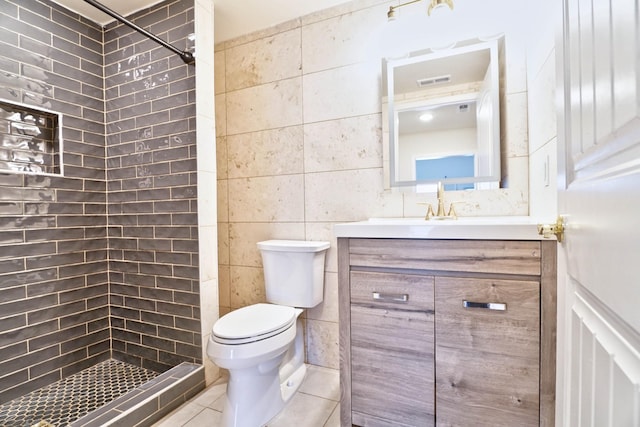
[(443, 118)]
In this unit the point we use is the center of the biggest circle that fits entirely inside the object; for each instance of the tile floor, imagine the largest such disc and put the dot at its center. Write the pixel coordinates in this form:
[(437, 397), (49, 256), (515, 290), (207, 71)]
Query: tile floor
[(314, 405), (69, 399)]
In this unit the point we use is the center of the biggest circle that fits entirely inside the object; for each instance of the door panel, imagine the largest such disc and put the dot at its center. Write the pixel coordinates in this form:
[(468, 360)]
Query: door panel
[(599, 80)]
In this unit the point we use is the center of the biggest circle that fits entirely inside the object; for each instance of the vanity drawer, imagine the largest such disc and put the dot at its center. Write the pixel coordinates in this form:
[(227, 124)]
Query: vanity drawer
[(469, 256), (392, 290), (487, 351)]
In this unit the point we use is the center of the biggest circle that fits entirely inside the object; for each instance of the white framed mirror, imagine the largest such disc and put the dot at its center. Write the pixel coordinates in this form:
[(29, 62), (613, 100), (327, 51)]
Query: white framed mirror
[(441, 118)]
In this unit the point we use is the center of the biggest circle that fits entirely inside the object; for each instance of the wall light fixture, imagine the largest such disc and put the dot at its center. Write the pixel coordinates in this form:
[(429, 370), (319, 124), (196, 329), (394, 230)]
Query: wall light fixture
[(433, 5)]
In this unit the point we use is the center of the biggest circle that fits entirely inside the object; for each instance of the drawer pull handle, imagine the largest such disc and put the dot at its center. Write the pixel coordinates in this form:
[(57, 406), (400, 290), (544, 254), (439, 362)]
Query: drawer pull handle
[(391, 297), (488, 305)]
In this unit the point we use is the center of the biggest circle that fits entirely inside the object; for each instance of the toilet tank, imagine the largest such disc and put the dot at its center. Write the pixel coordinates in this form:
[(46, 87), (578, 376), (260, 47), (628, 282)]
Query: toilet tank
[(294, 271)]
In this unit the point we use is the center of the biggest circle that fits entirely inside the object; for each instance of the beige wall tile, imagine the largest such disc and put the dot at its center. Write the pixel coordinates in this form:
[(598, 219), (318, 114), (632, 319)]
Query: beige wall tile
[(342, 92), (514, 115), (327, 310), (244, 237), (221, 114), (223, 243), (517, 172), (221, 157), (515, 77), (262, 34), (268, 106), (339, 41), (340, 9), (224, 287), (505, 201), (246, 286), (351, 195), (268, 152), (264, 60), (350, 143), (219, 73), (223, 200), (544, 125), (268, 199), (322, 343), (323, 231)]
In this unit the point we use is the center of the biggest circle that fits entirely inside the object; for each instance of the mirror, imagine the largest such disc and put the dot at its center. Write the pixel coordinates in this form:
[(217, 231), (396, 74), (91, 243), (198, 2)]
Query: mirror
[(443, 118)]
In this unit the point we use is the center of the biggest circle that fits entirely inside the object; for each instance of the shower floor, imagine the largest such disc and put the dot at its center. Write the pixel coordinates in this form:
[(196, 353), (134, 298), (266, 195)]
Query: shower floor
[(65, 401)]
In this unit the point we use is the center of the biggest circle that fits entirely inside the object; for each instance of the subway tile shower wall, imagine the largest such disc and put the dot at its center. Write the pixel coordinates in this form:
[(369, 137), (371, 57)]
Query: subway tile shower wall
[(151, 176), (100, 262)]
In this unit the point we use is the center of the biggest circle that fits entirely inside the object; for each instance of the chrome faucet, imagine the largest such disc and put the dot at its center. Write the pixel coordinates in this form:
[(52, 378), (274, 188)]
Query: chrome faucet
[(440, 212)]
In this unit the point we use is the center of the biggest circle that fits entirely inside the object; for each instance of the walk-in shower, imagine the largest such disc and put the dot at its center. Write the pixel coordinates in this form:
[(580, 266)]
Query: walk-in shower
[(99, 248)]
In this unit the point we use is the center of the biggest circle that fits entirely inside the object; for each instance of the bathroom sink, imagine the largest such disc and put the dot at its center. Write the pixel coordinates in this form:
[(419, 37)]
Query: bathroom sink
[(494, 227)]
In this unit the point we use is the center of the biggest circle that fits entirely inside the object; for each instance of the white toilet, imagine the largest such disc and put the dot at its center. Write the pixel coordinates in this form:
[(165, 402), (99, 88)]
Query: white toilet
[(262, 345)]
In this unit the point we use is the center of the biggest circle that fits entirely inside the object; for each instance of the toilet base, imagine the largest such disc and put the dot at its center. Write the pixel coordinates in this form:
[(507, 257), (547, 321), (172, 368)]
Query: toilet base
[(291, 385), (257, 394), (253, 401)]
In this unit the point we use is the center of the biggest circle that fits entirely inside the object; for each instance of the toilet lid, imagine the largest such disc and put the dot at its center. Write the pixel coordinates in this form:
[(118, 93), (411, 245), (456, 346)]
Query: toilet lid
[(253, 323)]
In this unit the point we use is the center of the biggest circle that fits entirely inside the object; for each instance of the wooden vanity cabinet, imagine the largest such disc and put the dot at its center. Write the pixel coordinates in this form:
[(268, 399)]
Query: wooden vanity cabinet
[(447, 332)]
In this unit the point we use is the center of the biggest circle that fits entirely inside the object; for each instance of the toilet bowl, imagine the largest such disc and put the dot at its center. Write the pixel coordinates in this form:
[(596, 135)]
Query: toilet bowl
[(262, 345)]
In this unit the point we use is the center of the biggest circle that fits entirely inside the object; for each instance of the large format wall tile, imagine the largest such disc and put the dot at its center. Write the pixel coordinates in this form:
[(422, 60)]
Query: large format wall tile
[(266, 153), (341, 40), (263, 61), (243, 239), (268, 106), (350, 143), (322, 343), (246, 286), (267, 199), (327, 198), (342, 92)]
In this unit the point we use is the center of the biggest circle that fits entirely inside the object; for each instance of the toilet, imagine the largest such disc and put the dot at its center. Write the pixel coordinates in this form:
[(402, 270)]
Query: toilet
[(262, 345)]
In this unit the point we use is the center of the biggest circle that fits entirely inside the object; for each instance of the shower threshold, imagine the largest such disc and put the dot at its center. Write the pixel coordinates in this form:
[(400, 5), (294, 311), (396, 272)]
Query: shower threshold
[(104, 393)]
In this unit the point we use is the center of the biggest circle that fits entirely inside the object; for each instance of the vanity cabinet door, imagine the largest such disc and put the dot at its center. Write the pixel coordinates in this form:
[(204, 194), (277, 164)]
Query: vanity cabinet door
[(392, 361), (487, 352)]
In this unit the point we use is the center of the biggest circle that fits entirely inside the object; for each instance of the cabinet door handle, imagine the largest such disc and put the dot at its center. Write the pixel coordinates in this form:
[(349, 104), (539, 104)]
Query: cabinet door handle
[(391, 297), (487, 305)]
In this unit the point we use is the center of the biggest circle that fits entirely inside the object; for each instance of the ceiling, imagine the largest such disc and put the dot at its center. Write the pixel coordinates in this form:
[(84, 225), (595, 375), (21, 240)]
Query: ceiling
[(232, 17)]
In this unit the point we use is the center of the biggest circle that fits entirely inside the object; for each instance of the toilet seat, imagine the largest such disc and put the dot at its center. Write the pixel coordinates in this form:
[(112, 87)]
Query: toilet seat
[(253, 323)]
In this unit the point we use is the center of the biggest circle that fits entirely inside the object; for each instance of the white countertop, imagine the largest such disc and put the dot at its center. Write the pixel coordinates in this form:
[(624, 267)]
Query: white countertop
[(479, 228)]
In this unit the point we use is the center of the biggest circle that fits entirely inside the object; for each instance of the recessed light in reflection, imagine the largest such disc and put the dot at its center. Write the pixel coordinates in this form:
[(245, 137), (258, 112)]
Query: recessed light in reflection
[(426, 117)]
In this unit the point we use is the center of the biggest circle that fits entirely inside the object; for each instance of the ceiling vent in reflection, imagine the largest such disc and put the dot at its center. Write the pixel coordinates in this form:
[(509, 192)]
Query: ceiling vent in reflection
[(429, 81)]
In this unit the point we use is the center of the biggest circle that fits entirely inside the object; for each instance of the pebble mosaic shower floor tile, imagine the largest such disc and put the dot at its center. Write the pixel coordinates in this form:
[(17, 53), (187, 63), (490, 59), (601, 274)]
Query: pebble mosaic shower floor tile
[(65, 401)]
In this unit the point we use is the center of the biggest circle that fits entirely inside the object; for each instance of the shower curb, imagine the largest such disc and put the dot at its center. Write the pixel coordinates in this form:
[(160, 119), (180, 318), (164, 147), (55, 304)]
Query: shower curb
[(148, 403)]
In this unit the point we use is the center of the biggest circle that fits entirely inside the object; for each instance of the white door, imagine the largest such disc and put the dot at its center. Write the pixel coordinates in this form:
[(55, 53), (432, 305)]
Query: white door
[(599, 304)]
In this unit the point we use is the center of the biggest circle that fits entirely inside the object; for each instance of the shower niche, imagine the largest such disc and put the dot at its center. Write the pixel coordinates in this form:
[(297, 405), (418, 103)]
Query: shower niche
[(30, 140)]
